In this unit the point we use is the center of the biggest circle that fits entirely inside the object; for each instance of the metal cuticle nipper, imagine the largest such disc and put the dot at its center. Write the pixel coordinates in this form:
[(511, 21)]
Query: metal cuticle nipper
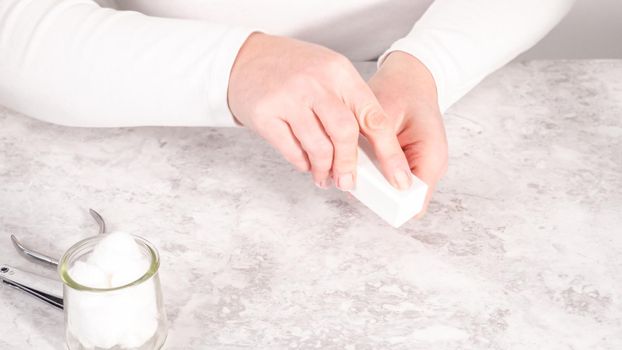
[(43, 288), (45, 259)]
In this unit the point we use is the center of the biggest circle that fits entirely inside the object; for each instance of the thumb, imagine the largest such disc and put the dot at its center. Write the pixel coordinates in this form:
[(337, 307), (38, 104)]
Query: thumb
[(375, 126)]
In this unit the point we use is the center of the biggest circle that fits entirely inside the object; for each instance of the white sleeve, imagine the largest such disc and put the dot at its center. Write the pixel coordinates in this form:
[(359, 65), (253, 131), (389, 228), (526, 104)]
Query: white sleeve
[(461, 42), (75, 63)]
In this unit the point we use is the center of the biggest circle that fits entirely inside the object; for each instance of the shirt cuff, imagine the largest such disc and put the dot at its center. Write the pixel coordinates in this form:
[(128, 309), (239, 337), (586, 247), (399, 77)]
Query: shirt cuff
[(218, 85)]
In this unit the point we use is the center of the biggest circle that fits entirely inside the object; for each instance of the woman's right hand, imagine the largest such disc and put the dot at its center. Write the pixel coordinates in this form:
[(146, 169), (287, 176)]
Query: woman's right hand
[(310, 103)]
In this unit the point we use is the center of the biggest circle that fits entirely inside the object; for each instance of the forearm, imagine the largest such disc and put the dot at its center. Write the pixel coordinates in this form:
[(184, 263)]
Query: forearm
[(461, 42), (72, 62)]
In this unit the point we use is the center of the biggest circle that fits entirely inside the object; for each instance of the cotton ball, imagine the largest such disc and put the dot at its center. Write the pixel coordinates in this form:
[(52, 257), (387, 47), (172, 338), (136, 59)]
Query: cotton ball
[(97, 332), (89, 275), (89, 319), (118, 244), (143, 312), (131, 312), (113, 252), (132, 271), (140, 332)]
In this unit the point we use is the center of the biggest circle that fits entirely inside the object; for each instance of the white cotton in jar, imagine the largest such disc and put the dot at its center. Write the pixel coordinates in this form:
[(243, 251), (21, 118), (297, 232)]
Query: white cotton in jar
[(89, 275), (117, 253), (127, 317)]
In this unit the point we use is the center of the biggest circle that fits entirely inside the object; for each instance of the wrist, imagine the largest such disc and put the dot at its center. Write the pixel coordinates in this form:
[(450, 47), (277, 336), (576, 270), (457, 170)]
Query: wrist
[(247, 53), (404, 67)]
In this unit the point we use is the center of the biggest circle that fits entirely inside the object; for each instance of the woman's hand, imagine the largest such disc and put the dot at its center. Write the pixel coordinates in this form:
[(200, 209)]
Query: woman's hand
[(407, 92), (310, 103)]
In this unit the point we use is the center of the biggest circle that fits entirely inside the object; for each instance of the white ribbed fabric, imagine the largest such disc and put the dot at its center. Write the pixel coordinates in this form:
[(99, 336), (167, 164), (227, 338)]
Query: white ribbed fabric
[(74, 62), (461, 42)]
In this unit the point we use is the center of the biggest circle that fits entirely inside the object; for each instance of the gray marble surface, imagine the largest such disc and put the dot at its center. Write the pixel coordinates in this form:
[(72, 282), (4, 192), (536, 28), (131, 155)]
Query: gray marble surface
[(521, 249)]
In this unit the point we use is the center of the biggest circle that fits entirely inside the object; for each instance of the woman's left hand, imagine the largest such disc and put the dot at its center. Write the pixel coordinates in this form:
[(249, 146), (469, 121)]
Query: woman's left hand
[(407, 92)]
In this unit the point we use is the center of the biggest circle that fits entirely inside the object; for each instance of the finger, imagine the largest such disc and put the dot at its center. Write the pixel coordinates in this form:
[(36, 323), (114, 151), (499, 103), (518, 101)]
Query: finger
[(426, 202), (428, 164), (280, 136), (317, 145), (375, 125), (342, 128)]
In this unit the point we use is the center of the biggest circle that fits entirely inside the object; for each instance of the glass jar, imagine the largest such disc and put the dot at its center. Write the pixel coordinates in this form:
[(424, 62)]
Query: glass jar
[(127, 317)]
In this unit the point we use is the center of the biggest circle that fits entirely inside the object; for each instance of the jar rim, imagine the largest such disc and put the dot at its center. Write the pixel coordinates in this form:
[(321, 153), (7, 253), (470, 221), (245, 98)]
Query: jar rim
[(63, 268)]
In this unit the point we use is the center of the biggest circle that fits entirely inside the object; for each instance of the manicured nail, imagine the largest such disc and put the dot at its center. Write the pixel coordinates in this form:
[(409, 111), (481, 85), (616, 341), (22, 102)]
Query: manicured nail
[(345, 182), (322, 184), (402, 179)]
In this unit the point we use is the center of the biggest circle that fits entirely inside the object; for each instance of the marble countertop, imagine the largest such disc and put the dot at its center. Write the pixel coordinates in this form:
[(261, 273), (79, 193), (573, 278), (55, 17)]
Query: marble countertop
[(521, 248)]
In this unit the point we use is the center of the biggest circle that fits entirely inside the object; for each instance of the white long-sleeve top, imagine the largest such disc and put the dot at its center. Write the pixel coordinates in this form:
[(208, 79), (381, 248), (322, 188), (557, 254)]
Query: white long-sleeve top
[(162, 62)]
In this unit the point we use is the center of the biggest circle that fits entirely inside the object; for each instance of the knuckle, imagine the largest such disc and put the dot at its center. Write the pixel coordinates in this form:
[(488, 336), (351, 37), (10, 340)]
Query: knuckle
[(300, 81), (267, 106), (302, 166), (344, 130), (270, 127), (322, 150), (304, 88), (336, 58), (325, 149), (336, 63), (373, 117), (345, 163), (262, 125), (293, 155), (298, 162)]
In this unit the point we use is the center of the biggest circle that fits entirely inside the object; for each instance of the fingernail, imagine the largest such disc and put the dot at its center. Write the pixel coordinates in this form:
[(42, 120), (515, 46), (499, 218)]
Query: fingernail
[(345, 182), (402, 179), (322, 184)]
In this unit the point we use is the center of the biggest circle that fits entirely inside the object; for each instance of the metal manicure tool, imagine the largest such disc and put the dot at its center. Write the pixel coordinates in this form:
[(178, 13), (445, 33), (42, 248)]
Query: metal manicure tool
[(45, 289)]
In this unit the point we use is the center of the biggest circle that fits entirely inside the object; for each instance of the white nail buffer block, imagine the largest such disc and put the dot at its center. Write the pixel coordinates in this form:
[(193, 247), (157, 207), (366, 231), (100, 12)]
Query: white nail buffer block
[(372, 189)]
